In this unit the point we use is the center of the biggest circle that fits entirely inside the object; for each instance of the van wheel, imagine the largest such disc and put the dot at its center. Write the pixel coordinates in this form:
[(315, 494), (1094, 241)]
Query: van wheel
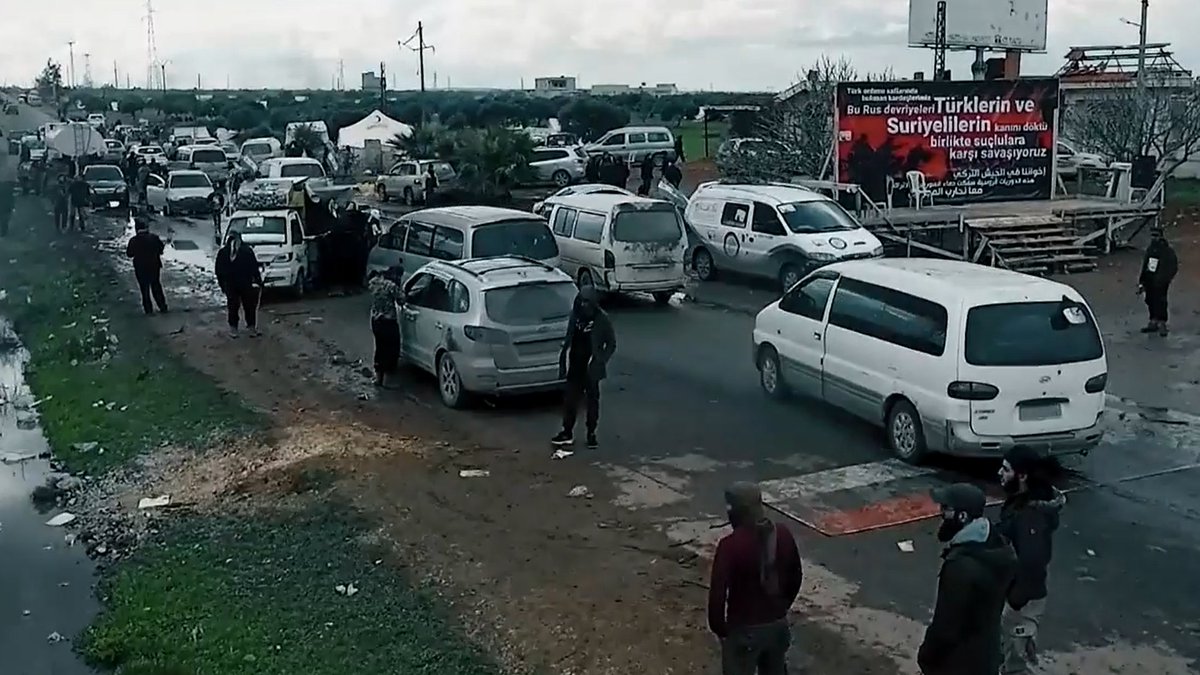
[(770, 376), (381, 192), (408, 197), (662, 298), (449, 383), (585, 279), (905, 436), (789, 275), (702, 262), (561, 178)]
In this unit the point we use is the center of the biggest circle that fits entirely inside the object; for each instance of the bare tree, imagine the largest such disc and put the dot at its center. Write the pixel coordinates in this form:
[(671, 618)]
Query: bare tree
[(1125, 123), (796, 130)]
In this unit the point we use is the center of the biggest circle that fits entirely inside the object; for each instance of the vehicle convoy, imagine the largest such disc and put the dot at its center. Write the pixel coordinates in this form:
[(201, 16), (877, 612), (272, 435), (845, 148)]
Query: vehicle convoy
[(948, 356), (108, 186), (773, 230), (491, 325), (450, 233), (620, 243), (406, 180), (181, 193)]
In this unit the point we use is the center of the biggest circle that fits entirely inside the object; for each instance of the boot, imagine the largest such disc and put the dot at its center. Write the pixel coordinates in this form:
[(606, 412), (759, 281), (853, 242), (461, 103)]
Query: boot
[(1150, 327), (1162, 329), (378, 378)]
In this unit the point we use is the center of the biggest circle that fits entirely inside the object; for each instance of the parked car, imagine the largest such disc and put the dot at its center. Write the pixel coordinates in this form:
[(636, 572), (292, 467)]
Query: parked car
[(108, 186), (561, 166), (947, 356), (183, 192), (451, 233), (295, 168), (775, 231), (406, 180), (542, 208), (151, 153), (207, 158), (560, 140), (11, 109), (620, 243), (232, 152), (114, 150), (486, 326), (259, 149), (95, 120), (636, 144), (1070, 160)]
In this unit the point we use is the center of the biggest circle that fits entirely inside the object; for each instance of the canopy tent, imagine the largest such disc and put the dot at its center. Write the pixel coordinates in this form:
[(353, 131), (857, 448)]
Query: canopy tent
[(376, 126), (76, 139)]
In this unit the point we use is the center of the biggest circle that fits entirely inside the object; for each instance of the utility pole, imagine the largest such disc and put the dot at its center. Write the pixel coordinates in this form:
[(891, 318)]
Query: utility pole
[(71, 48), (939, 42), (382, 86), (116, 77), (419, 36), (1141, 73), (87, 70), (197, 81), (162, 68)]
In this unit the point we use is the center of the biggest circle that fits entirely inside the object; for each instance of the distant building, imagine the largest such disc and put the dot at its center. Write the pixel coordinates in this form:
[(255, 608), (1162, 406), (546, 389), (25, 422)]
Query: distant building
[(611, 89), (665, 89), (371, 81), (1097, 72), (660, 89), (555, 86)]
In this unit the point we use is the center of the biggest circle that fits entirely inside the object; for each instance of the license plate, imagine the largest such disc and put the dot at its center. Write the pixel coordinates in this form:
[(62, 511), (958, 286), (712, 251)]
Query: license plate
[(113, 205), (1036, 412)]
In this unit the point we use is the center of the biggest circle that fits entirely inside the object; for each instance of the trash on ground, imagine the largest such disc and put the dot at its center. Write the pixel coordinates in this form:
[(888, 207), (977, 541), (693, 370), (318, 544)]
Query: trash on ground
[(54, 638), (26, 613), (348, 590), (85, 447), (580, 491), (35, 404), (69, 540), (1091, 553), (61, 519), (26, 421), (154, 502), (474, 473), (906, 546), (561, 454), (15, 458)]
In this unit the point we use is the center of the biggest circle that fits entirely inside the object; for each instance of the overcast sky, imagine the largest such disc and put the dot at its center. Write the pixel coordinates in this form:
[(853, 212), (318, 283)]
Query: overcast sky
[(698, 44)]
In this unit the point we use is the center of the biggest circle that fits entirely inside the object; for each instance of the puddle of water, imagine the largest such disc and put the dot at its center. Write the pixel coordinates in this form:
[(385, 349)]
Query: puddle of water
[(39, 573), (189, 250)]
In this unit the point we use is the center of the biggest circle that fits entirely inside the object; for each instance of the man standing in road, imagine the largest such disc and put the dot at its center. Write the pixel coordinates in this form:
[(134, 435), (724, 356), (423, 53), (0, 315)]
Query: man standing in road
[(8, 186), (431, 185), (756, 576), (61, 197), (146, 249), (978, 565), (1158, 271), (241, 281), (1028, 520), (671, 172), (647, 175), (589, 344), (80, 193)]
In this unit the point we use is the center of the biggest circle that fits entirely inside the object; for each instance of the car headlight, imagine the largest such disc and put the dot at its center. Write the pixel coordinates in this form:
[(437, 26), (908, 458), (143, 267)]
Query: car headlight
[(822, 257)]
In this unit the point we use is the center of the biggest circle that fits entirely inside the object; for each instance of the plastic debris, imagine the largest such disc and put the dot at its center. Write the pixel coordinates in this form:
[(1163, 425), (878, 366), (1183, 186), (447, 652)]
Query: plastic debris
[(348, 590), (580, 491), (561, 454), (26, 613), (14, 458), (54, 638), (85, 447), (905, 546), (61, 519), (474, 473), (154, 502)]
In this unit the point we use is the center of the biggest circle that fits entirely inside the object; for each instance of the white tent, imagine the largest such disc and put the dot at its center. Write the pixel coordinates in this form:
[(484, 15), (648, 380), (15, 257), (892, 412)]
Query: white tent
[(76, 140), (376, 126)]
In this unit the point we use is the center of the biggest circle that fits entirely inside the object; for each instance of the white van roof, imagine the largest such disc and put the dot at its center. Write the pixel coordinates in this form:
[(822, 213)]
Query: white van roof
[(634, 130), (603, 203), (768, 193), (952, 281)]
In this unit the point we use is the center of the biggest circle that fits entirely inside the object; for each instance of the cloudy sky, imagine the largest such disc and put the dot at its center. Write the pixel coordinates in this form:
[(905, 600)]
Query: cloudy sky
[(699, 44)]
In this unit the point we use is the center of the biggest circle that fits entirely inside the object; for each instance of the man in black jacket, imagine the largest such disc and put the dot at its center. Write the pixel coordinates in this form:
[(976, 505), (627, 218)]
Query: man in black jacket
[(1028, 520), (589, 344), (978, 565), (146, 249), (241, 281), (1158, 271)]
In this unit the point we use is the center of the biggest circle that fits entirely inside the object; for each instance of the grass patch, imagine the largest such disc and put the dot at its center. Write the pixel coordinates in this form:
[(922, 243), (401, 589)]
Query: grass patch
[(104, 377), (233, 597), (1182, 192), (692, 133)]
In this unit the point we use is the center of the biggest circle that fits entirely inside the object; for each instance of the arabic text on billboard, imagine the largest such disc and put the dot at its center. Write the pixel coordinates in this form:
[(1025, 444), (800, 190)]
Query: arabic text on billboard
[(973, 141)]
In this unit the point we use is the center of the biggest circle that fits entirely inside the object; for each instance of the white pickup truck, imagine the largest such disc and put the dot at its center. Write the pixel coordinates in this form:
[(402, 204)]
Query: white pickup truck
[(283, 250)]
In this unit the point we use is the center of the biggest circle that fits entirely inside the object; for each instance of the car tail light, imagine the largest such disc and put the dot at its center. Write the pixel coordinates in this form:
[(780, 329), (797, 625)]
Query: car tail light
[(486, 335), (1096, 384), (972, 391), (610, 261)]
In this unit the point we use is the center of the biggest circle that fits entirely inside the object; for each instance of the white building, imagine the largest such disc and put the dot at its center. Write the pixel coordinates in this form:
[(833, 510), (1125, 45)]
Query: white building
[(555, 86)]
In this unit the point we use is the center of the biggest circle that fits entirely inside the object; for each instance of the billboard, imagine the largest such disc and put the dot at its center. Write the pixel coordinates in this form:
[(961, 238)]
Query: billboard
[(987, 24), (974, 141)]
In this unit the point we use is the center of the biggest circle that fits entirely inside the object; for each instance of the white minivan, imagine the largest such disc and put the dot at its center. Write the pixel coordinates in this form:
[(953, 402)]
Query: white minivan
[(620, 243), (775, 230), (947, 356)]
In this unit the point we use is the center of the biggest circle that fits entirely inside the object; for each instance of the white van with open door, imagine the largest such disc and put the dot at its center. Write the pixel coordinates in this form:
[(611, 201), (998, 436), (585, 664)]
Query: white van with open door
[(947, 356), (620, 243)]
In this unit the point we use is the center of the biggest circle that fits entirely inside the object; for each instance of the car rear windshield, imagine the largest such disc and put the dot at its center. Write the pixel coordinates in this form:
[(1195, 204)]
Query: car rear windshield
[(216, 156), (259, 225), (815, 217), (648, 226), (102, 173), (1029, 334), (304, 170), (191, 180), (530, 304), (527, 238), (254, 149)]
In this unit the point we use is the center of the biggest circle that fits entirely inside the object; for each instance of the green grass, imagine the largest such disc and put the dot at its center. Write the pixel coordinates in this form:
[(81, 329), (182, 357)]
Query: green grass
[(103, 376), (1182, 192), (228, 597), (692, 133)]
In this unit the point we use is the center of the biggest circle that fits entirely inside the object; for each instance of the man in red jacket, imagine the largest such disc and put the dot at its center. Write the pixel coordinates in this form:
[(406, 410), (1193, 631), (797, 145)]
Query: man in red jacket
[(756, 577)]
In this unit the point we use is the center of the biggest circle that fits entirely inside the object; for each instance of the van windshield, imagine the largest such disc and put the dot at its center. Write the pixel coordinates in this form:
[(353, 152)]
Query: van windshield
[(302, 170), (216, 156), (647, 226), (1027, 334), (815, 217), (256, 149), (527, 238), (530, 304)]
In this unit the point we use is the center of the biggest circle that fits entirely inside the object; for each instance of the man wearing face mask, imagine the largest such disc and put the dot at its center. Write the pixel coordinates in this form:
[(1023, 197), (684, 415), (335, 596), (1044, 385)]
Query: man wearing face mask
[(1028, 519), (241, 281), (978, 565), (756, 576), (589, 344)]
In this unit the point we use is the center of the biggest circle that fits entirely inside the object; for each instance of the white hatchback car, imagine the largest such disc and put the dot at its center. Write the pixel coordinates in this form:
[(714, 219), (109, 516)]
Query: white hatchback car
[(487, 326), (947, 356)]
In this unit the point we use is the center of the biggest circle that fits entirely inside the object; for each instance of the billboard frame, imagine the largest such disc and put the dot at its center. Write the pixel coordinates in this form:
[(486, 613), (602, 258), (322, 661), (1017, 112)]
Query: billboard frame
[(983, 18)]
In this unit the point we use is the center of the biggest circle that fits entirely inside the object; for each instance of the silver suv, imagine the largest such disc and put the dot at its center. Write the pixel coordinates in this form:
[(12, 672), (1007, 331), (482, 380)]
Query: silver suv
[(487, 326)]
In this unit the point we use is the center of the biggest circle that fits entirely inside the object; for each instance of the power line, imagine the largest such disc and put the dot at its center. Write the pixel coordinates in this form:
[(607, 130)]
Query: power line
[(420, 49), (153, 67)]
